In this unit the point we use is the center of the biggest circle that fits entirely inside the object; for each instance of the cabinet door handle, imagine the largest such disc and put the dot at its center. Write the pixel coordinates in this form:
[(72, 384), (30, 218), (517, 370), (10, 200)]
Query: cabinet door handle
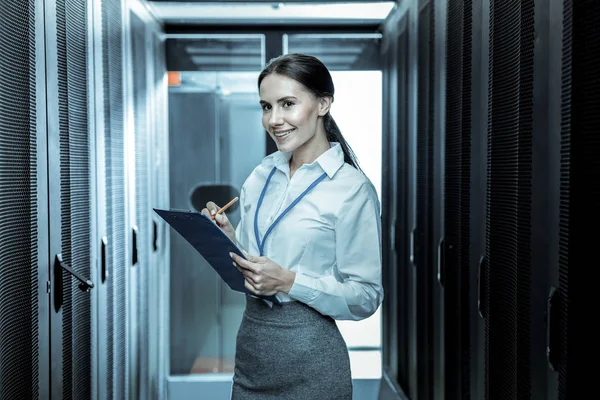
[(412, 247), (103, 246), (551, 326), (441, 261), (481, 296), (85, 284), (155, 235), (134, 252)]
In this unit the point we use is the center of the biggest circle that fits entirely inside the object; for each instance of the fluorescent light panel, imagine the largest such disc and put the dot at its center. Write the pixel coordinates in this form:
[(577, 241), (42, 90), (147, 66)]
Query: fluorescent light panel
[(271, 12)]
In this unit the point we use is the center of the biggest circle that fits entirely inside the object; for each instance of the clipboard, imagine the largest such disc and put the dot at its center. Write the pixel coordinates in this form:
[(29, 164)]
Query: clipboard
[(212, 244)]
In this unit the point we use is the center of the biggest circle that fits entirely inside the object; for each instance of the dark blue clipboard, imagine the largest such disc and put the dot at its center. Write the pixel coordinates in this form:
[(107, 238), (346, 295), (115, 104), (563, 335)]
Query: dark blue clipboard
[(212, 244)]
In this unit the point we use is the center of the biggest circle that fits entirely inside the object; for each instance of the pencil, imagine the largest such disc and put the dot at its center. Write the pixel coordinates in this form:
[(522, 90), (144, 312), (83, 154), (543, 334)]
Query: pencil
[(225, 207)]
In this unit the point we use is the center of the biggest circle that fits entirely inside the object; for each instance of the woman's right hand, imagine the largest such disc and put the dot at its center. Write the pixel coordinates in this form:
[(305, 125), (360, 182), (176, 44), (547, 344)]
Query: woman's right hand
[(220, 219)]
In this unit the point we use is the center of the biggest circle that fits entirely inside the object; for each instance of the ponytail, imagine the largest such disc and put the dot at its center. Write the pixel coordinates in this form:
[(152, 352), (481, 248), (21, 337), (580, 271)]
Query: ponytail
[(334, 134)]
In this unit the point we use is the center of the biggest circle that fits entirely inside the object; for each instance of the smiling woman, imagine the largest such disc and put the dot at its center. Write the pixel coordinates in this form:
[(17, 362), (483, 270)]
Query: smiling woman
[(296, 92), (310, 224)]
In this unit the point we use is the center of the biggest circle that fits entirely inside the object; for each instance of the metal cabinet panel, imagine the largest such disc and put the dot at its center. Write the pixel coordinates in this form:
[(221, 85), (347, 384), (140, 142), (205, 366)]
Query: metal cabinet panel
[(70, 207), (24, 352)]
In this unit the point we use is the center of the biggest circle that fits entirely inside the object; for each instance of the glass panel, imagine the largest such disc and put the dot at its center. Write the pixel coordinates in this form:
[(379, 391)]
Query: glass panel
[(216, 139), (340, 52), (215, 53)]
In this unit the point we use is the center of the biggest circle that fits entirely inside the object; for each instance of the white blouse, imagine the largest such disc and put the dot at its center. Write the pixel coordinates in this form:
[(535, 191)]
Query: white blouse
[(331, 238)]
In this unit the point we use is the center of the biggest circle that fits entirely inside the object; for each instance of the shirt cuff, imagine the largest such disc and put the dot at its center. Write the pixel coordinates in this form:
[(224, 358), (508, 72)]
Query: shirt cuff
[(302, 289)]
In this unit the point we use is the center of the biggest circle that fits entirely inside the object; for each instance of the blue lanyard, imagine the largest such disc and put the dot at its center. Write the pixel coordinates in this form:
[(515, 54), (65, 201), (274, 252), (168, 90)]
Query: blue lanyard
[(261, 245)]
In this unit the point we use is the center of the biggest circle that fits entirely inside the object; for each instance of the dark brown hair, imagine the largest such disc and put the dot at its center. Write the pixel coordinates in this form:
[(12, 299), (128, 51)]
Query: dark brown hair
[(314, 76)]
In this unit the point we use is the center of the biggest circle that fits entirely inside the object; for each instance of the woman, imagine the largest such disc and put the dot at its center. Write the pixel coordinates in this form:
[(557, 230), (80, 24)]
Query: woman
[(310, 224)]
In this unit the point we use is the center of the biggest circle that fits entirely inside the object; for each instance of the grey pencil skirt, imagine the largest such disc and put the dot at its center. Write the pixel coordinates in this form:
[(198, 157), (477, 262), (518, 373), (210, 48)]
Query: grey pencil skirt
[(289, 352)]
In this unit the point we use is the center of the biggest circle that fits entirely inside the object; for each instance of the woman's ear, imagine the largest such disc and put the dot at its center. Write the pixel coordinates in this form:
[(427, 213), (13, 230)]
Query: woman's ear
[(324, 105)]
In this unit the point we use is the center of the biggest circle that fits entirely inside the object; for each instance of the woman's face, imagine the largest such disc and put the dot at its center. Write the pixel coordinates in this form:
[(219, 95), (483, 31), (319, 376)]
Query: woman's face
[(290, 112)]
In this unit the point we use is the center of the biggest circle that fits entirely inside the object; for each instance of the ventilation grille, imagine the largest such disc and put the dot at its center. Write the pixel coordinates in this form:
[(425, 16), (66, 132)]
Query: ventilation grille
[(509, 199), (142, 136), (75, 194), (18, 203), (112, 33), (457, 187)]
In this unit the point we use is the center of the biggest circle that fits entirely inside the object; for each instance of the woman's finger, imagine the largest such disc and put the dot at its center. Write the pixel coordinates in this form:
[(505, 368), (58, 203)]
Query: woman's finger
[(246, 272), (249, 286), (243, 263), (212, 207)]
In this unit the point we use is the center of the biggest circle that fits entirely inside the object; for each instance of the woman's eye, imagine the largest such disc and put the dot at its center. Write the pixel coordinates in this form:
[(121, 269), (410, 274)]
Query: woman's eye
[(266, 107), (288, 104)]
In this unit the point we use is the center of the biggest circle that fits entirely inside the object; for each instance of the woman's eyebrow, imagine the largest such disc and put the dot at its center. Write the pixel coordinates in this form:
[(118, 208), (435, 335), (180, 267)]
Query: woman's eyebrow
[(263, 102)]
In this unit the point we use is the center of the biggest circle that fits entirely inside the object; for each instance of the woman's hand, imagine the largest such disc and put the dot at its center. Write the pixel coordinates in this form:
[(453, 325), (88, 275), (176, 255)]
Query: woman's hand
[(263, 276), (220, 219)]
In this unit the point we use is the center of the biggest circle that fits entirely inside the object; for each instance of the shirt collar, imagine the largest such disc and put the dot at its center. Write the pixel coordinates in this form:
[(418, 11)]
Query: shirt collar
[(330, 161)]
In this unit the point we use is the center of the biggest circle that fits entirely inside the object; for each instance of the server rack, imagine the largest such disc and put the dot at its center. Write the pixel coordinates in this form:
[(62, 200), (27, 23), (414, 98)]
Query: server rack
[(62, 156), (513, 140), (24, 298)]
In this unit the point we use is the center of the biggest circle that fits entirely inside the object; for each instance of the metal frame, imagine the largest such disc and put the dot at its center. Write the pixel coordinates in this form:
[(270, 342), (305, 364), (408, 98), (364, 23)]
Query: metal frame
[(389, 209), (293, 28), (160, 141), (43, 250), (412, 118), (478, 184), (164, 279), (94, 198), (53, 182), (437, 293), (153, 259)]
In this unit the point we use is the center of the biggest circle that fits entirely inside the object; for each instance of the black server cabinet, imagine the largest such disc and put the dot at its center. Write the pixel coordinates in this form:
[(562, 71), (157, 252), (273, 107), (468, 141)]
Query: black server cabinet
[(424, 244), (580, 177), (395, 219), (455, 273), (507, 284)]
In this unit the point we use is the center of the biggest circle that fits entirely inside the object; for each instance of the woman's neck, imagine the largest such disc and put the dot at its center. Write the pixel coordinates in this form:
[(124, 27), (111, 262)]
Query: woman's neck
[(309, 152)]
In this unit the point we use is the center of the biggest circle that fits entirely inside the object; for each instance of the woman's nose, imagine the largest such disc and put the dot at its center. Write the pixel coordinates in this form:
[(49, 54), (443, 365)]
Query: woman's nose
[(276, 118)]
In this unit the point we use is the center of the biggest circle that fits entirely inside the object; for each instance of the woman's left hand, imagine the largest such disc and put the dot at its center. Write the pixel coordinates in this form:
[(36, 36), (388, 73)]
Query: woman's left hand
[(264, 276)]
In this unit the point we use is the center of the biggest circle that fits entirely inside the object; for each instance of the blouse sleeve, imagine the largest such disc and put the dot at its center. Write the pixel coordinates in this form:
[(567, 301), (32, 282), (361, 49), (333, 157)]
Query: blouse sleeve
[(358, 262)]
